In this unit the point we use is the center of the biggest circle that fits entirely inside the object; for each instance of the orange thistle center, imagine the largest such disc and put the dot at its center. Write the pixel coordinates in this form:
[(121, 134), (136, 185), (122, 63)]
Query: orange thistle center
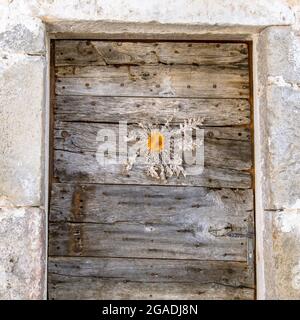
[(156, 142)]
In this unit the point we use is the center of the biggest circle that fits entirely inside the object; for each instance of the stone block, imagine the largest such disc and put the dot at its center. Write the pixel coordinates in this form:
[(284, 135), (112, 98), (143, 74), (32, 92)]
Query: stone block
[(22, 99), (286, 254), (22, 259), (279, 113), (20, 32), (217, 12)]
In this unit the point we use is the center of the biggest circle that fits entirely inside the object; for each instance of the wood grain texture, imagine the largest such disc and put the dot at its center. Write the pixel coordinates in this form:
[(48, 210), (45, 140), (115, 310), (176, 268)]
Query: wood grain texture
[(153, 270), (215, 112), (153, 222), (116, 236), (207, 240), (85, 288), (147, 204), (117, 278), (227, 158), (153, 81), (140, 53), (83, 168), (83, 135)]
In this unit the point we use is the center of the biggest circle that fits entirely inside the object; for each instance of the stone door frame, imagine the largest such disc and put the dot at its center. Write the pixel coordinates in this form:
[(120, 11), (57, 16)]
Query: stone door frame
[(253, 37), (25, 147)]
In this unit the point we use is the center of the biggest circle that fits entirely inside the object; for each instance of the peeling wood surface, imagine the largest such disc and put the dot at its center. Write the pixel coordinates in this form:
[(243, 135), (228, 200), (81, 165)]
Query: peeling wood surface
[(113, 236)]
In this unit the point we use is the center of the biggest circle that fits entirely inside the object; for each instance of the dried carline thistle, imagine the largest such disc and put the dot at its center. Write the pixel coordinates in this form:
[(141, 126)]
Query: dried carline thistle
[(155, 154)]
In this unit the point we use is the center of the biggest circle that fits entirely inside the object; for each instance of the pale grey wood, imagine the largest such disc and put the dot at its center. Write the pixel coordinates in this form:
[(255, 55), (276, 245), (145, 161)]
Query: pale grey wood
[(210, 278), (70, 52), (223, 147), (147, 204), (83, 168), (115, 236), (86, 288), (84, 133), (154, 270), (153, 81), (197, 238), (215, 112), (150, 221)]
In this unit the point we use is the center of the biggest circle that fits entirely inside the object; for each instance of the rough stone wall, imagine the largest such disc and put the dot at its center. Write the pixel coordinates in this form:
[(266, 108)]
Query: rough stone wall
[(279, 94), (22, 104), (23, 101)]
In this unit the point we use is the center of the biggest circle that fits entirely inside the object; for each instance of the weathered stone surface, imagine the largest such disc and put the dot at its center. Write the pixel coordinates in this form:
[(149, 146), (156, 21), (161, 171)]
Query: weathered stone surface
[(279, 255), (282, 49), (284, 147), (19, 31), (279, 117), (205, 12), (286, 255), (23, 37), (150, 30), (279, 107), (266, 286), (22, 96), (239, 12), (22, 247)]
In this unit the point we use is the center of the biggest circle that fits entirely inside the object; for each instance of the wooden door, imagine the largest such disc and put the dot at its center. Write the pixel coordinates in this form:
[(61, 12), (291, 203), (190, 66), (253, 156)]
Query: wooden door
[(116, 236)]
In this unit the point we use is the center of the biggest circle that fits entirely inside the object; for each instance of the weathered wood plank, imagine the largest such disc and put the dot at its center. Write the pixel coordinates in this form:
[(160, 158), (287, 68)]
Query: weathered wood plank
[(147, 204), (140, 53), (117, 278), (215, 112), (73, 288), (223, 147), (153, 81), (150, 221), (227, 156), (76, 136), (198, 238), (86, 288), (154, 270), (83, 168)]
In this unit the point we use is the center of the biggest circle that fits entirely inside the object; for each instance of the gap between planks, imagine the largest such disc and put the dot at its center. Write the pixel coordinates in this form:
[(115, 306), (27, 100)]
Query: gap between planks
[(146, 258)]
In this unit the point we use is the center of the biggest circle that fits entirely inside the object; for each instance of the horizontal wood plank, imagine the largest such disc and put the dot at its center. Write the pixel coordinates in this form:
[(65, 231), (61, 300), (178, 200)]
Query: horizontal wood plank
[(117, 278), (154, 270), (223, 147), (83, 168), (153, 81), (164, 240), (73, 288), (227, 158), (140, 53), (215, 112), (83, 134), (147, 204)]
